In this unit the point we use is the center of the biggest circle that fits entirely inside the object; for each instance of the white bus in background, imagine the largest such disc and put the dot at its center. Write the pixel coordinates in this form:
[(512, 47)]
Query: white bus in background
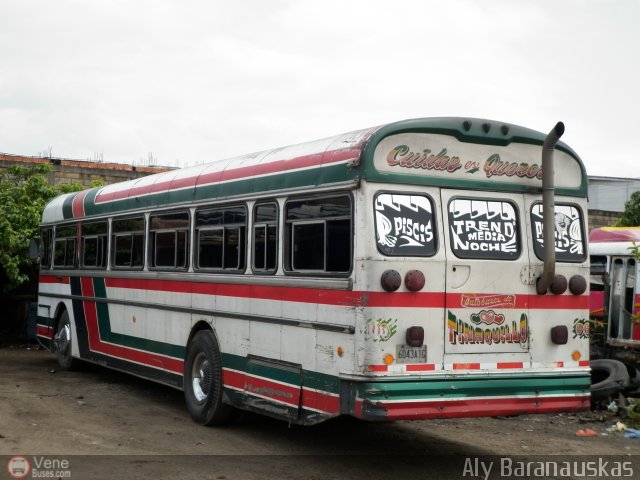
[(406, 271)]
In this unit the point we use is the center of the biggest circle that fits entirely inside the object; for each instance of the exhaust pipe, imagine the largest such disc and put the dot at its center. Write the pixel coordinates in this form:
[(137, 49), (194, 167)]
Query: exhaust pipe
[(548, 210)]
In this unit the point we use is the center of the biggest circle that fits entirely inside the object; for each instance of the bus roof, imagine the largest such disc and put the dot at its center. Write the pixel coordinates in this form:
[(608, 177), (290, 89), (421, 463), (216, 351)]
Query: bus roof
[(428, 151)]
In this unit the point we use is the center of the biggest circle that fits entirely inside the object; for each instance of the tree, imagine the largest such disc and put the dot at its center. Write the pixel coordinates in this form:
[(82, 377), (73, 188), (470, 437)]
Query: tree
[(631, 215), (24, 192)]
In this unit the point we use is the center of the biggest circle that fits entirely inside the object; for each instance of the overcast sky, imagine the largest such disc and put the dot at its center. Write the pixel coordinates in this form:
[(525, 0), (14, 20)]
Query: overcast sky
[(193, 81)]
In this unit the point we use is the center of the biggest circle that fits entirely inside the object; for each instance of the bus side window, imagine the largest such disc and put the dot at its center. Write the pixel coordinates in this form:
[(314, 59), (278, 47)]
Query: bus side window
[(94, 245), (46, 244), (319, 236), (127, 243), (168, 244), (221, 238), (265, 238), (64, 247)]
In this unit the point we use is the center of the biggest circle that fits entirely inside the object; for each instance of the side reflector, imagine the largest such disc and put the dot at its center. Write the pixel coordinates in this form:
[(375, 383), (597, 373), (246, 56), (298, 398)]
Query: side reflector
[(415, 336), (560, 334), (390, 280), (577, 285), (388, 359), (414, 280)]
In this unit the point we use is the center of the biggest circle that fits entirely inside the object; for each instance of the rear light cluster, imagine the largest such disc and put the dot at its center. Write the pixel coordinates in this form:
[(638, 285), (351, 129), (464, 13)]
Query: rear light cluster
[(577, 285), (413, 280)]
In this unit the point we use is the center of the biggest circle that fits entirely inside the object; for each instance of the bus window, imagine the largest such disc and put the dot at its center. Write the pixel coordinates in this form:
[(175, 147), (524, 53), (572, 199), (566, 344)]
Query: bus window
[(598, 272), (128, 243), (94, 245), (569, 234), (319, 236), (629, 299), (405, 225), (168, 244), (483, 229), (265, 235), (220, 237), (46, 234), (64, 247)]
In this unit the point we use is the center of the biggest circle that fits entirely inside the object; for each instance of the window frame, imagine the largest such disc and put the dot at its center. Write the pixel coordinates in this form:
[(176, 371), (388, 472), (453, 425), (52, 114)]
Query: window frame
[(584, 239), (97, 237), (288, 235), (241, 227), (265, 224), (73, 240), (151, 244), (113, 236)]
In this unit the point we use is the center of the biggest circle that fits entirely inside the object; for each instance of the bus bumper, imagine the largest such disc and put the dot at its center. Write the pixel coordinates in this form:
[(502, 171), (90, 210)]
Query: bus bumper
[(455, 397)]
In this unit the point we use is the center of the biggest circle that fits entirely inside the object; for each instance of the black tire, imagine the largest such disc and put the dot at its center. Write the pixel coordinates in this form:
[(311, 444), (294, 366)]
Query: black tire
[(608, 377), (203, 381), (634, 377), (63, 343)]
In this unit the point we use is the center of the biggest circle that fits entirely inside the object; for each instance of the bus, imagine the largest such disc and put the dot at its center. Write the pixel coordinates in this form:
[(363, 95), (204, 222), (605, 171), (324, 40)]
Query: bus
[(427, 268)]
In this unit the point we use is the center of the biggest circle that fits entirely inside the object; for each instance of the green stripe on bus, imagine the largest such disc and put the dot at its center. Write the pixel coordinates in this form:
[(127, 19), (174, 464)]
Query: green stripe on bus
[(104, 325)]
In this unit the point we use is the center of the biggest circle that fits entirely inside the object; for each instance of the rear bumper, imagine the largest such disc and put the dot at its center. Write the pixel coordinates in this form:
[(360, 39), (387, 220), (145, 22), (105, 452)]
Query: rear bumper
[(468, 396)]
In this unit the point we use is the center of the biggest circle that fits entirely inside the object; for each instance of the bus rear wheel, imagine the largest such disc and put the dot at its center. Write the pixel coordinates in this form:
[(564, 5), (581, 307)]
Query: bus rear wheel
[(62, 342), (203, 381)]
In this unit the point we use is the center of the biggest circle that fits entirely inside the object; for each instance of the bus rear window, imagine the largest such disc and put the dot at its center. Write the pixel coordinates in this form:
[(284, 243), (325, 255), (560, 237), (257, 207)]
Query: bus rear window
[(483, 229), (405, 225), (568, 233)]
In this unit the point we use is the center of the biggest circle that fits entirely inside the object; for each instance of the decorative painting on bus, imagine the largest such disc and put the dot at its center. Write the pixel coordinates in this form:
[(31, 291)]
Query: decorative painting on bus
[(405, 225), (569, 237), (484, 229)]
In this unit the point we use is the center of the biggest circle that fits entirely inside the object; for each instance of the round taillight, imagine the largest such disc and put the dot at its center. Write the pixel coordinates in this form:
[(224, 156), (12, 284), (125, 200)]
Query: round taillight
[(558, 285), (577, 285), (414, 280), (390, 280)]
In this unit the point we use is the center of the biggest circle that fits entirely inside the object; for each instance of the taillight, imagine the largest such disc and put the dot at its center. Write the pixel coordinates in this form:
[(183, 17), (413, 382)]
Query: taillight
[(558, 285), (415, 336), (414, 280), (560, 334), (577, 285), (390, 280)]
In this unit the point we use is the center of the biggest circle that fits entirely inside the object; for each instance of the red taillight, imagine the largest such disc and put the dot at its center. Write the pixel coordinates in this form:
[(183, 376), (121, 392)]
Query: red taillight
[(560, 334), (577, 285), (558, 285), (390, 280), (414, 280), (415, 336)]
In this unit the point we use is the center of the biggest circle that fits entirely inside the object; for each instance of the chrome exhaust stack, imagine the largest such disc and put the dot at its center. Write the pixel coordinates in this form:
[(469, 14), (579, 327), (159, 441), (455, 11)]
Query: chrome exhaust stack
[(548, 210)]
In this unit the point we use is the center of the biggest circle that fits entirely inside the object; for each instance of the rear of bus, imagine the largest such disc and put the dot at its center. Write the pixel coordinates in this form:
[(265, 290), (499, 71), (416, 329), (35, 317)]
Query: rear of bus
[(450, 250)]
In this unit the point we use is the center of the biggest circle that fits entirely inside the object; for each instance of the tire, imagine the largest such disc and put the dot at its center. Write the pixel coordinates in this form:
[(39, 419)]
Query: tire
[(608, 377), (203, 381), (63, 343), (634, 377)]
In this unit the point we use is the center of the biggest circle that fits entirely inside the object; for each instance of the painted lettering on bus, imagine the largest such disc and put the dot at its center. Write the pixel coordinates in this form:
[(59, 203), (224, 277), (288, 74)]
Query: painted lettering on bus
[(403, 156), (480, 301), (494, 166), (467, 333)]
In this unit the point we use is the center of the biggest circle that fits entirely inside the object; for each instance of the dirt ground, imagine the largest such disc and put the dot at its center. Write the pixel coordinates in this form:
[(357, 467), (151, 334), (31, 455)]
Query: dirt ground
[(112, 425)]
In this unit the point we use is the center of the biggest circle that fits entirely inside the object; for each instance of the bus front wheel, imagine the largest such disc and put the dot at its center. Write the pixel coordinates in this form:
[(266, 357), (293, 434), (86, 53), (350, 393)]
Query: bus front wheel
[(62, 342), (203, 381)]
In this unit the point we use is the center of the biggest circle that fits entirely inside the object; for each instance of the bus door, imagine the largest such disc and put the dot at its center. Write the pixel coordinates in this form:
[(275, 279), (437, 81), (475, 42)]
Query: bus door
[(488, 263)]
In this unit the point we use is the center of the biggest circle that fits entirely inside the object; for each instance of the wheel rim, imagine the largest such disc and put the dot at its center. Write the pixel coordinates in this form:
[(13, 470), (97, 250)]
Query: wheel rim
[(201, 377), (62, 339)]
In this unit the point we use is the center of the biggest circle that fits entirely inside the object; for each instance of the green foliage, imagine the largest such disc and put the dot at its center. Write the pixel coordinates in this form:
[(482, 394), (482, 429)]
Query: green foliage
[(631, 215), (24, 192)]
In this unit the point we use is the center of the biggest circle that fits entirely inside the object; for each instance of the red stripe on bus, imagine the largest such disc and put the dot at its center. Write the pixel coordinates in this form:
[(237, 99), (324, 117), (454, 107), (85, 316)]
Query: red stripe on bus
[(290, 294), (584, 363), (420, 367), (313, 160), (318, 400), (53, 279), (118, 351), (428, 409), (466, 366), (510, 365), (77, 204), (42, 331), (377, 368)]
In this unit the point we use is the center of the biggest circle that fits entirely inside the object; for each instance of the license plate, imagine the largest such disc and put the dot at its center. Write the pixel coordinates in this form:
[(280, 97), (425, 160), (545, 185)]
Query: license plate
[(407, 354)]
